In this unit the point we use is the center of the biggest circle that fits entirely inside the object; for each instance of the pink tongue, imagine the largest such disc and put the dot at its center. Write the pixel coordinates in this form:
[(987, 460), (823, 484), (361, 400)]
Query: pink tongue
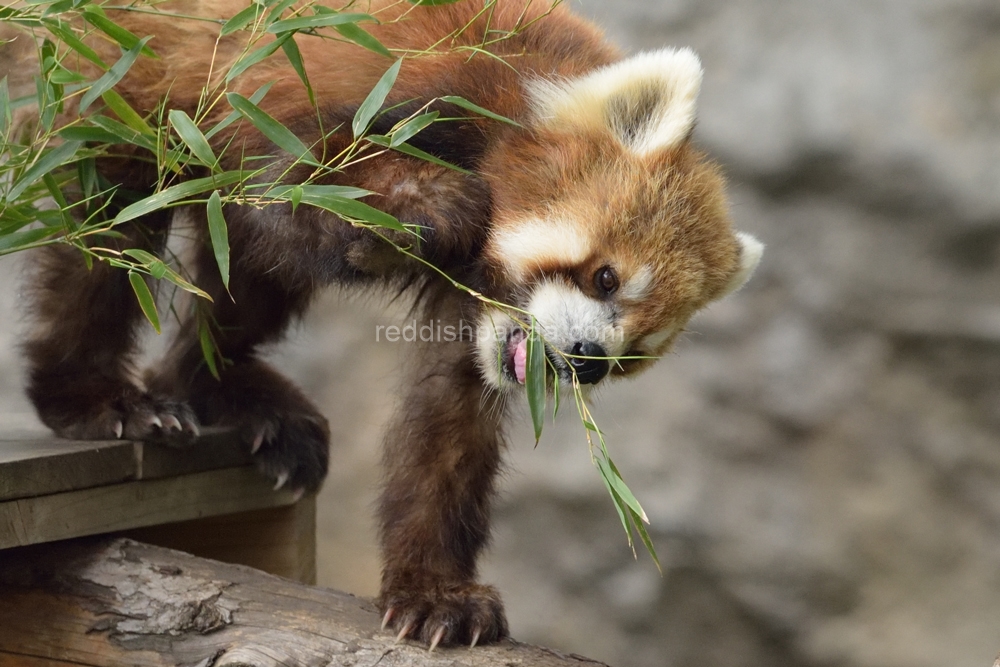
[(520, 359)]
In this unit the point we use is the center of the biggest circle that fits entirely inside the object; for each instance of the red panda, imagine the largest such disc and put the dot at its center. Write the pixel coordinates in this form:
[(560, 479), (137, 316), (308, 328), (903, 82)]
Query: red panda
[(596, 214)]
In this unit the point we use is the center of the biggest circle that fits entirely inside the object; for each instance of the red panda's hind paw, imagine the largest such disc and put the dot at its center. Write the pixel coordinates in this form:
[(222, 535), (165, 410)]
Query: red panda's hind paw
[(447, 615)]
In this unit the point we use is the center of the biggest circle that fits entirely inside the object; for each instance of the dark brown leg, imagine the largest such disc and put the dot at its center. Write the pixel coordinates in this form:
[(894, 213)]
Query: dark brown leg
[(288, 435), (442, 456), (80, 373)]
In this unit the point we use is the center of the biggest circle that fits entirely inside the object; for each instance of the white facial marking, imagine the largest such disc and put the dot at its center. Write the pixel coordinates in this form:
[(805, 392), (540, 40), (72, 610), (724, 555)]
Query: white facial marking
[(751, 251), (524, 247), (636, 287), (647, 100)]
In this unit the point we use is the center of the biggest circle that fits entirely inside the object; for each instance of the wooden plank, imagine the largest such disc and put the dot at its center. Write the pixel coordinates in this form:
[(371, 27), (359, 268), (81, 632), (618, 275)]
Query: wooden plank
[(37, 464), (136, 504), (277, 540), (107, 603)]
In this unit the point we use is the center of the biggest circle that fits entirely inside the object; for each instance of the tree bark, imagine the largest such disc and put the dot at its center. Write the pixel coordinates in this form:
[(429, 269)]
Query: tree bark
[(114, 602)]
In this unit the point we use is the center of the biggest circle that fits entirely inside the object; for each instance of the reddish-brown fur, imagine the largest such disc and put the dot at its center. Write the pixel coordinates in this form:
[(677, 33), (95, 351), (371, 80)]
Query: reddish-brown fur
[(443, 449)]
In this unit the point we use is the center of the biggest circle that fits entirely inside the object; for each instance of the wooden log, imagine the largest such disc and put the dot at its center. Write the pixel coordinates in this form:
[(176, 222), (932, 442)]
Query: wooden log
[(106, 602)]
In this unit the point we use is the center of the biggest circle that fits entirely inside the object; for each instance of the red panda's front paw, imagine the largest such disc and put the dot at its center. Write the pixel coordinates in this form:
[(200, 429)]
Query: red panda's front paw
[(446, 614), (290, 448)]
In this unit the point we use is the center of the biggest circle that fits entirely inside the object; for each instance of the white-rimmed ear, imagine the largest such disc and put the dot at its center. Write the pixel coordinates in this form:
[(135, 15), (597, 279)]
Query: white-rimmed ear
[(647, 101), (751, 251)]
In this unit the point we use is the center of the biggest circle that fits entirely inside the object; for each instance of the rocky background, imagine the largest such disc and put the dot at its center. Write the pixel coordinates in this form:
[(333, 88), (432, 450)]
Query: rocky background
[(820, 459)]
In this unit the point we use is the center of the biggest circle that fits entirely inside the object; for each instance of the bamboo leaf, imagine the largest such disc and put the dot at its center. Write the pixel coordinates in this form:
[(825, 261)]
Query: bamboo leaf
[(5, 112), (208, 347), (241, 19), (620, 507), (231, 118), (113, 75), (317, 21), (175, 193), (615, 479), (95, 16), (220, 236), (124, 111), (291, 49), (192, 136), (145, 298), (475, 108), (535, 378), (271, 128), (380, 140), (68, 37), (254, 57), (376, 98), (348, 208), (646, 540), (411, 127), (363, 38), (20, 240), (57, 157)]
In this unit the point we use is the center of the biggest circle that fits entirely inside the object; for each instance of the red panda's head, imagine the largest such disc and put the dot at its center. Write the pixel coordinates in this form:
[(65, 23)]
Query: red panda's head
[(609, 227)]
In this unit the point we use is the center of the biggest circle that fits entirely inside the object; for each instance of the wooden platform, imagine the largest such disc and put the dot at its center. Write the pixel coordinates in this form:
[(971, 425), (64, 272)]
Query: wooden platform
[(206, 499)]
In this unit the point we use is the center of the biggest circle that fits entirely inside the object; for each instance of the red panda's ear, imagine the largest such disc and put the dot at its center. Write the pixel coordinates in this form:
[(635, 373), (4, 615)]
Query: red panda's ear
[(647, 101), (751, 251)]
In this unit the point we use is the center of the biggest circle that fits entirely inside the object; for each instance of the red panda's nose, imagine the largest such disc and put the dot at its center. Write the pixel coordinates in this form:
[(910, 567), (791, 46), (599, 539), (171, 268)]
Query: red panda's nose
[(589, 371)]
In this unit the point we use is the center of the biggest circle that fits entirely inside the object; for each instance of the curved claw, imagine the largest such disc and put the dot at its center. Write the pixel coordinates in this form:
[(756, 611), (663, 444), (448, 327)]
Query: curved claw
[(282, 478), (405, 631), (155, 421), (172, 423), (119, 427), (436, 639), (257, 442), (388, 617), (475, 637)]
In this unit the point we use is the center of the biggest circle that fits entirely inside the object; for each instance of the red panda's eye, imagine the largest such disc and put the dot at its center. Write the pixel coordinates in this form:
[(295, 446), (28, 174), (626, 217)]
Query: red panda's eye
[(606, 280)]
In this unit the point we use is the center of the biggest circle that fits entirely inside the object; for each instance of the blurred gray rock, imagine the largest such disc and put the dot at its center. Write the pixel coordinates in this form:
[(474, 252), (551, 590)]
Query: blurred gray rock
[(820, 458)]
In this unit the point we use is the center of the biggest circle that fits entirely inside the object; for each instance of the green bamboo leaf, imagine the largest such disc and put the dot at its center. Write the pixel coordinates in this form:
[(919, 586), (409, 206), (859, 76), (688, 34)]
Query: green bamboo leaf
[(175, 278), (193, 137), (475, 108), (620, 507), (363, 38), (380, 140), (349, 208), (376, 98), (646, 540), (57, 157), (242, 19), (145, 298), (5, 112), (128, 115), (177, 192), (232, 118), (291, 49), (20, 240), (317, 21), (295, 196), (411, 127), (95, 16), (271, 128), (93, 134), (219, 235), (124, 132), (68, 37), (535, 379), (254, 57), (208, 347), (113, 75), (615, 479), (285, 192)]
